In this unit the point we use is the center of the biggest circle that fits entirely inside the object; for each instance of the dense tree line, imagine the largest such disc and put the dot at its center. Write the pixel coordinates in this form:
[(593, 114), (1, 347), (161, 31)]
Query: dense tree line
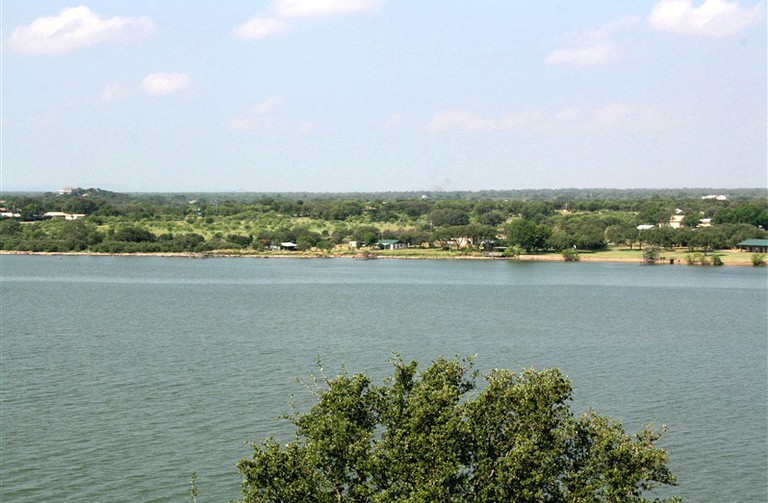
[(115, 222)]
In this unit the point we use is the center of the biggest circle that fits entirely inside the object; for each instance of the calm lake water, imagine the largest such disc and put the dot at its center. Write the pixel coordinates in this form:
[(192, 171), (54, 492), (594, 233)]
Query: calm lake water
[(120, 376)]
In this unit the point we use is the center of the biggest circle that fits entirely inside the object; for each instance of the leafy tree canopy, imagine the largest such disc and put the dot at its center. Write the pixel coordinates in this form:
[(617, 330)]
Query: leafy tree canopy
[(435, 435)]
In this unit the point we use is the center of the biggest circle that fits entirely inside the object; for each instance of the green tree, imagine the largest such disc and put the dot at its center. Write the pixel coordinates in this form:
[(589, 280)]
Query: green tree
[(436, 436), (133, 235), (492, 218), (527, 234), (622, 234), (445, 217)]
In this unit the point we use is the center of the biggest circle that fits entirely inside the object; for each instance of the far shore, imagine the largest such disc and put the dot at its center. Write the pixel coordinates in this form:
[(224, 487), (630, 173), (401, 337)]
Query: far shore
[(676, 257)]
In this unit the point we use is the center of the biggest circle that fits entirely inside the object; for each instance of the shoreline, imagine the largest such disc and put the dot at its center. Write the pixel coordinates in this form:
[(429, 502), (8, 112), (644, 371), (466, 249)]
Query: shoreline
[(302, 255)]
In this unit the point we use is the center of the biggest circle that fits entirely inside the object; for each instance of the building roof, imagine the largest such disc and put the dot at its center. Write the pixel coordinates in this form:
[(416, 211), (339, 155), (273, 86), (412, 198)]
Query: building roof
[(754, 242), (388, 241)]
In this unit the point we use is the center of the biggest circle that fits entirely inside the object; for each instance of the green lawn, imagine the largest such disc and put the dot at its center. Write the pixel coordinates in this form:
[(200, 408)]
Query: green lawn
[(680, 256)]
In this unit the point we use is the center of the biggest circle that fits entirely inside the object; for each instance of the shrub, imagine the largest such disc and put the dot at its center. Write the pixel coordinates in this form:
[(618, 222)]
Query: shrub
[(570, 255), (758, 259), (651, 255), (512, 251)]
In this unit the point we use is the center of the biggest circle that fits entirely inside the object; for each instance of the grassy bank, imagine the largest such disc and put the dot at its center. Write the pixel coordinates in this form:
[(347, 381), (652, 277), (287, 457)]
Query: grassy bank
[(676, 257), (679, 256)]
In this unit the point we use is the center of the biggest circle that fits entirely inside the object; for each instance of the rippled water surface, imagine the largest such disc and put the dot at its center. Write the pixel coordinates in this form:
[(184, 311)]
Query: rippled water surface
[(120, 376)]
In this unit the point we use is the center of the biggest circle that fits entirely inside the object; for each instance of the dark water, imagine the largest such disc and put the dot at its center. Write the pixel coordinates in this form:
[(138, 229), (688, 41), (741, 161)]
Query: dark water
[(122, 376)]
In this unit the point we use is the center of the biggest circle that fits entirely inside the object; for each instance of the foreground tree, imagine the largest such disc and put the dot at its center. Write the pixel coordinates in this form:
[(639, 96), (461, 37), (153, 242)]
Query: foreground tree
[(433, 436)]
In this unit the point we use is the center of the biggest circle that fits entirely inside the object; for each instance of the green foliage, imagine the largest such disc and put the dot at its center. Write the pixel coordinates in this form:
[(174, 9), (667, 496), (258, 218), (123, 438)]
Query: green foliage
[(703, 259), (513, 251), (570, 255), (448, 217), (651, 255), (758, 259), (133, 235), (436, 435), (622, 234), (752, 212), (527, 234), (583, 231), (536, 220), (493, 218)]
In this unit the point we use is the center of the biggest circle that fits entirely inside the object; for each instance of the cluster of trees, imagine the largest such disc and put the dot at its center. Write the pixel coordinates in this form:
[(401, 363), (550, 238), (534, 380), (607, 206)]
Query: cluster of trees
[(177, 223), (80, 235), (435, 435)]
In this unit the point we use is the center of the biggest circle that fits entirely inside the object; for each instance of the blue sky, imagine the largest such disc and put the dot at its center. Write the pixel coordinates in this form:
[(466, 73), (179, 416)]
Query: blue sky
[(378, 95)]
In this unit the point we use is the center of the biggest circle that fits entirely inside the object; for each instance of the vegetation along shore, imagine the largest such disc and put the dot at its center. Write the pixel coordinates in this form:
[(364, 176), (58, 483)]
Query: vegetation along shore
[(685, 226)]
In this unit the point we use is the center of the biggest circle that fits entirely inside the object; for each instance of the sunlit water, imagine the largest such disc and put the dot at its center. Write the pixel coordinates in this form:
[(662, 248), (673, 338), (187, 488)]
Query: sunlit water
[(120, 376)]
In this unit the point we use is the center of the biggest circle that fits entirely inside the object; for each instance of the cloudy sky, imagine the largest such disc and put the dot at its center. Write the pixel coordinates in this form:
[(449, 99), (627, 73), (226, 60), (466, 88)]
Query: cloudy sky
[(377, 95)]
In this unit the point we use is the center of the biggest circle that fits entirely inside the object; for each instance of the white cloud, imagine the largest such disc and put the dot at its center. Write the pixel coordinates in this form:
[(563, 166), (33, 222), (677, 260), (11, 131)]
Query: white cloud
[(587, 56), (470, 122), (75, 28), (520, 120), (614, 117), (161, 84), (567, 116), (114, 92), (713, 18), (256, 118), (593, 46), (313, 8), (609, 118), (461, 120), (260, 27), (628, 115)]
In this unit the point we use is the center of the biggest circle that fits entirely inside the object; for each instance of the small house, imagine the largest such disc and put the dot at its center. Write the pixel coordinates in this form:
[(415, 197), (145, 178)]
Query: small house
[(676, 221), (754, 245), (288, 246), (62, 215), (390, 244)]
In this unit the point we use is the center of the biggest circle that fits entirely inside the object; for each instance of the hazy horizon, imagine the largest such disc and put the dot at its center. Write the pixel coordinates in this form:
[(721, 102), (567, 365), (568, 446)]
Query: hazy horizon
[(415, 192)]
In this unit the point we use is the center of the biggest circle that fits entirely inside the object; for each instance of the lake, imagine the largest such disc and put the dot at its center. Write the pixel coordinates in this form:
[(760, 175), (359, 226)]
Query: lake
[(120, 376)]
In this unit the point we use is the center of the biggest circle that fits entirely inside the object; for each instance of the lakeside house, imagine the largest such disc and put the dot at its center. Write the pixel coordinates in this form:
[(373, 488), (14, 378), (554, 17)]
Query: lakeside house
[(754, 245), (284, 246), (391, 244), (63, 216)]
